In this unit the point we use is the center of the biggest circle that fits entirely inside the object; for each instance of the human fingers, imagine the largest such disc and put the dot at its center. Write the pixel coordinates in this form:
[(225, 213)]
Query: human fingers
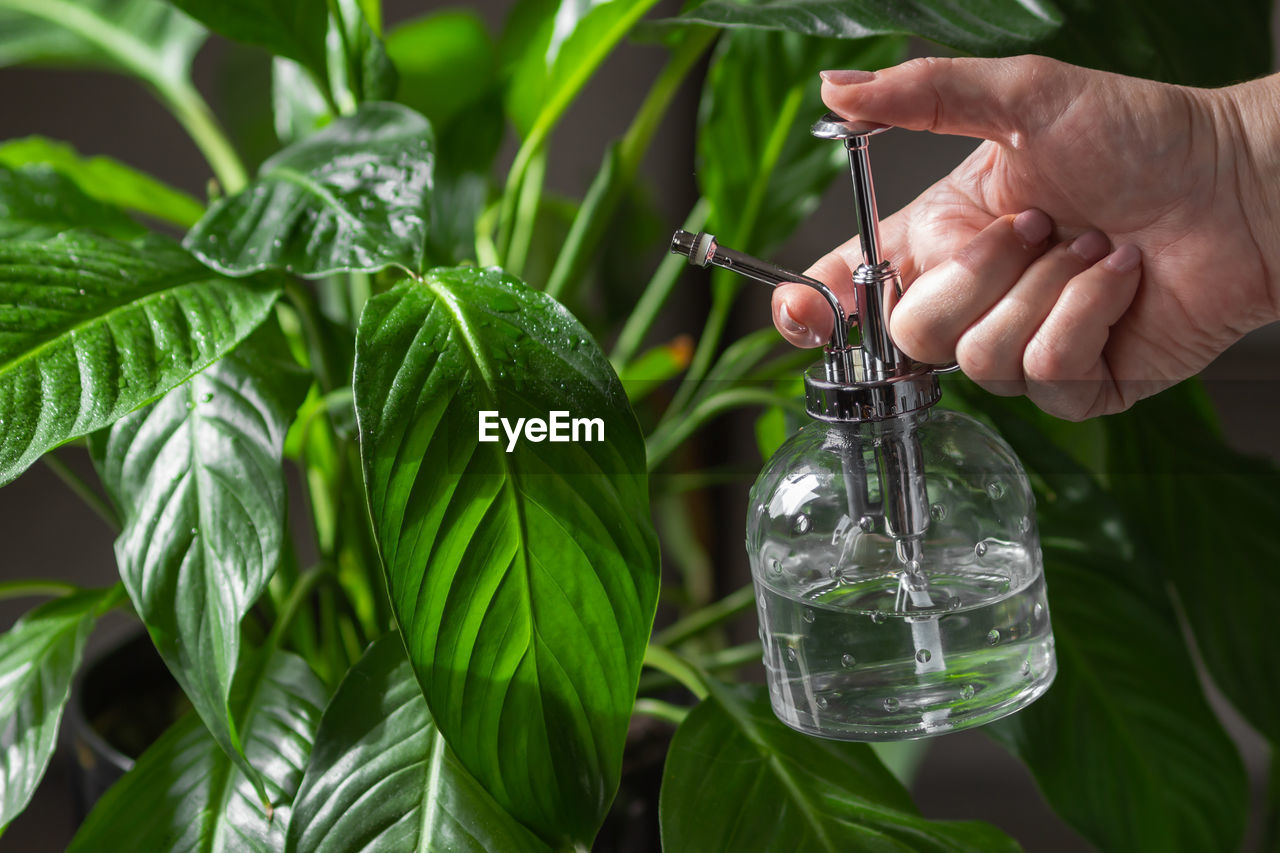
[(990, 351), (800, 313), (943, 302), (1065, 361), (997, 99)]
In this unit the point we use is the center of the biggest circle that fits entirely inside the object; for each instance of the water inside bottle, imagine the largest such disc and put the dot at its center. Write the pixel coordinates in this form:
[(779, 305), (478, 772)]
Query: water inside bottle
[(862, 661)]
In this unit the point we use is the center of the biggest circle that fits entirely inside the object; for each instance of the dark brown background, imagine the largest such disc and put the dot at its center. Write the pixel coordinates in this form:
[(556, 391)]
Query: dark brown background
[(47, 533)]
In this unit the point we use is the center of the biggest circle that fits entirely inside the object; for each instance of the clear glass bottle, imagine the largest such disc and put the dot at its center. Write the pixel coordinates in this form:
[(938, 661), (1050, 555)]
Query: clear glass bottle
[(872, 636), (893, 545)]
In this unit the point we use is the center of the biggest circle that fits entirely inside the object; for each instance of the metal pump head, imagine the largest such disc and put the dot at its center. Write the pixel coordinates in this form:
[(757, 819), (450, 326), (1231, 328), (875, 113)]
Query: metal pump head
[(869, 380)]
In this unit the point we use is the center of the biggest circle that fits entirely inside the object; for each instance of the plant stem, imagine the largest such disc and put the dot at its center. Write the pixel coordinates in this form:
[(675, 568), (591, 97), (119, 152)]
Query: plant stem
[(660, 710), (191, 111), (673, 430), (549, 115), (35, 589), (724, 285), (298, 596), (656, 292), (666, 661), (526, 214), (147, 62), (83, 490), (736, 602), (618, 172)]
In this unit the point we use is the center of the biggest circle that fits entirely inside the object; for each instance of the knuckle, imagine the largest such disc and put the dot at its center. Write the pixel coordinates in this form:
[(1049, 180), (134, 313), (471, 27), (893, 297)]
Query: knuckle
[(1044, 363), (976, 359)]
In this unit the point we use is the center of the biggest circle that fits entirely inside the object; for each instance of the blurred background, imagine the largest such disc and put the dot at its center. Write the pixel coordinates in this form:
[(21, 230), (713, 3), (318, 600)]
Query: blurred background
[(47, 532)]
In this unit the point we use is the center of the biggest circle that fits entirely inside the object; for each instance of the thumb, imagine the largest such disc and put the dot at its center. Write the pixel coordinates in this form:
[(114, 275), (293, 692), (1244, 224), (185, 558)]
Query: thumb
[(996, 99)]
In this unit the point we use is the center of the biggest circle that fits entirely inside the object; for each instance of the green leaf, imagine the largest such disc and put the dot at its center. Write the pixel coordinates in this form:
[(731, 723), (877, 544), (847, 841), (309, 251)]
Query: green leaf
[(757, 163), (290, 28), (39, 656), (298, 107), (351, 197), (184, 795), (1127, 714), (558, 45), (199, 480), (973, 26), (382, 778), (737, 779), (37, 202), (1199, 504), (106, 180), (1192, 42), (368, 74), (446, 62), (92, 328), (1126, 710), (525, 582), (147, 38)]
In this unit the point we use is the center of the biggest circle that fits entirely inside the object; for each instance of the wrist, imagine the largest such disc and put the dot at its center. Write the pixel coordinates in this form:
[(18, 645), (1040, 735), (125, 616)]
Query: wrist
[(1249, 128)]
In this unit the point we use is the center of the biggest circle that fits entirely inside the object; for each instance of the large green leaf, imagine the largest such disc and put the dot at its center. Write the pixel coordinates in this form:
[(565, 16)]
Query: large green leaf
[(199, 480), (757, 163), (737, 779), (185, 796), (557, 46), (525, 582), (106, 180), (291, 28), (381, 777), (1193, 42), (973, 26), (92, 328), (1127, 714), (351, 197), (37, 202), (148, 38), (38, 658), (1126, 711), (1200, 505)]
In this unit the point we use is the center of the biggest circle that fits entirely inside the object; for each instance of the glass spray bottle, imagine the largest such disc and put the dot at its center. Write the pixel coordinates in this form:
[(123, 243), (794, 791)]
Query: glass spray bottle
[(893, 545)]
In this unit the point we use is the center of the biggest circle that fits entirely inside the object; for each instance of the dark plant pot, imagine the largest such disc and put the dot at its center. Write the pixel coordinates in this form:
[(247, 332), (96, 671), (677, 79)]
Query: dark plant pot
[(120, 704)]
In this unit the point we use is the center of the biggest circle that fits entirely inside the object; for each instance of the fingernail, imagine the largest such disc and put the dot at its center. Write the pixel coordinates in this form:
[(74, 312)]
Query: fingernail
[(846, 76), (1091, 246), (1033, 226), (802, 333), (1124, 259)]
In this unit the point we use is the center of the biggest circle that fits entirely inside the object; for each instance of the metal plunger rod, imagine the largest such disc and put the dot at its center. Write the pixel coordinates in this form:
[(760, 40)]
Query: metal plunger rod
[(864, 199)]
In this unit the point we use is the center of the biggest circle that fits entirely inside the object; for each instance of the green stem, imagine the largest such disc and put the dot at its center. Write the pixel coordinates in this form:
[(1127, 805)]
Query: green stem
[(307, 583), (722, 301), (619, 169), (191, 111), (153, 66), (83, 490), (668, 662), (660, 710), (582, 69), (526, 215), (656, 292), (35, 588), (724, 286), (736, 602), (672, 431)]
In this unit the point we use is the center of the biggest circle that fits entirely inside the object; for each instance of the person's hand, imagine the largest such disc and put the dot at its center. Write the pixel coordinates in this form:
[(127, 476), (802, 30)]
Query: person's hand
[(1111, 237)]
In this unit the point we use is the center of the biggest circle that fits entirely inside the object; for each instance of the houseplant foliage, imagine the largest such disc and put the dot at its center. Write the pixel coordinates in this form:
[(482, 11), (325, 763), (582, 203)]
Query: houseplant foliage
[(449, 653)]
